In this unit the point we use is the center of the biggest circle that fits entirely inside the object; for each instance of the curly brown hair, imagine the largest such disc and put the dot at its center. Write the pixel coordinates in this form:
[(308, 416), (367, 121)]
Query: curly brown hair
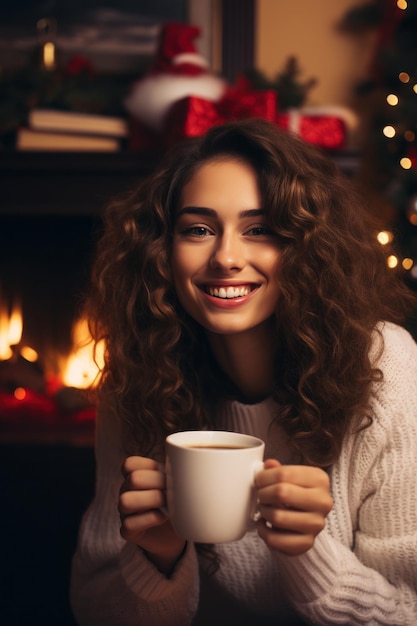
[(335, 288)]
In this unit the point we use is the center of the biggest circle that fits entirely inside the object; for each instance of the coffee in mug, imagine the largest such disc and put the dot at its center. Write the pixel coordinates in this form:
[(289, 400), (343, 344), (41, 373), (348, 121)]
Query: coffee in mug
[(210, 476)]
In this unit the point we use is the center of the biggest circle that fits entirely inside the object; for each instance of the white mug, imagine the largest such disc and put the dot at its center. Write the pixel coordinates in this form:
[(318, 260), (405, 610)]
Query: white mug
[(210, 476)]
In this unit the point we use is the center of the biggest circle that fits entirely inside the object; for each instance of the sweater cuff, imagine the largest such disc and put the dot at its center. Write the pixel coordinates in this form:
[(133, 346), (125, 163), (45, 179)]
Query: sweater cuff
[(319, 566), (150, 585)]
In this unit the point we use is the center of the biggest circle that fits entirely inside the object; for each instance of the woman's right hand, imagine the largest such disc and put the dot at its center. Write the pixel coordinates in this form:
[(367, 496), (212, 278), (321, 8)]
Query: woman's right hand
[(142, 521)]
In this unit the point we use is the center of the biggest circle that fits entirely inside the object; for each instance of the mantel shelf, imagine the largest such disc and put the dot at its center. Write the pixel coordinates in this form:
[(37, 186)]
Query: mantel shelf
[(123, 161), (82, 183), (68, 183)]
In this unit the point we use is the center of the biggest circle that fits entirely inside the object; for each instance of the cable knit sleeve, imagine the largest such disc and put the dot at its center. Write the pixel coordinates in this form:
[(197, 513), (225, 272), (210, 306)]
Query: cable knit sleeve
[(112, 582), (363, 566)]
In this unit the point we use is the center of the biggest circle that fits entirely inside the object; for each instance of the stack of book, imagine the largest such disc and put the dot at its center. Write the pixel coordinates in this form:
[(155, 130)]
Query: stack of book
[(53, 130)]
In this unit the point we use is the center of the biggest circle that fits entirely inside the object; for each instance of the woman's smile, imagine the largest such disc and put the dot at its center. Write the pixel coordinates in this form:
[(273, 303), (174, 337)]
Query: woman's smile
[(228, 292), (225, 257), (229, 296)]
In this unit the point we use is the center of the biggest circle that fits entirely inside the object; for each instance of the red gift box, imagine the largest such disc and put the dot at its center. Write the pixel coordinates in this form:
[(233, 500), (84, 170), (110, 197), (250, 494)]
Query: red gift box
[(324, 130), (193, 116)]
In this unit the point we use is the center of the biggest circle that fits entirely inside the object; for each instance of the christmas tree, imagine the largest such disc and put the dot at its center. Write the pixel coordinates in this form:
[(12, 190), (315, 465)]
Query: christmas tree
[(388, 99)]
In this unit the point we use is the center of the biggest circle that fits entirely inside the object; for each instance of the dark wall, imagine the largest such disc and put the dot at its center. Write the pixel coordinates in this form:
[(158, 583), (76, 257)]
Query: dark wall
[(45, 490)]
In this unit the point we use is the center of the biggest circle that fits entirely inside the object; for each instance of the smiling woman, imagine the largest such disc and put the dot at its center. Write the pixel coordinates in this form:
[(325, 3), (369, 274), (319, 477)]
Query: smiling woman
[(240, 288), (224, 254)]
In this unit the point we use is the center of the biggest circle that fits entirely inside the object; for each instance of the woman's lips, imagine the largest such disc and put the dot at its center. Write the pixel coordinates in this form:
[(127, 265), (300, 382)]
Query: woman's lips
[(228, 293)]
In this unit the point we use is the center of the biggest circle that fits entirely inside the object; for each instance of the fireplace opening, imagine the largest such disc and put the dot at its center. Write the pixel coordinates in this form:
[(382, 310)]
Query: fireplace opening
[(45, 263)]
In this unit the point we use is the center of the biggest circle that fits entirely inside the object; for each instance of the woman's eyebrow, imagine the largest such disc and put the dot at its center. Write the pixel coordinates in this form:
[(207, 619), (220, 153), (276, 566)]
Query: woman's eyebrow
[(196, 210), (199, 210), (251, 213)]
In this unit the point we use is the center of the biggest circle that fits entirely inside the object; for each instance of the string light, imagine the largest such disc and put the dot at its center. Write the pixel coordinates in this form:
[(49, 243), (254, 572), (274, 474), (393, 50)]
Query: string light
[(392, 99), (409, 135), (407, 263), (384, 237), (406, 163), (402, 4), (389, 131), (415, 88), (392, 261), (404, 77)]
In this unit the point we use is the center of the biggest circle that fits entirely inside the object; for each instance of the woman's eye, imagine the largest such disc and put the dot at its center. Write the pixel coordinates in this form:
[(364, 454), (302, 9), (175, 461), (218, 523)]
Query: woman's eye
[(196, 231), (259, 231)]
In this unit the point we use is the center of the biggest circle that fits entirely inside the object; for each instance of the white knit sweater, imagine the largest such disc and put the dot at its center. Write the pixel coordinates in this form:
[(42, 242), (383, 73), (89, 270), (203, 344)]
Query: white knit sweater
[(362, 568)]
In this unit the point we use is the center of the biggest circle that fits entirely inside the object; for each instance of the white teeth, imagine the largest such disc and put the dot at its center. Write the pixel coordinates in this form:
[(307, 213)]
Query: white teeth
[(230, 292)]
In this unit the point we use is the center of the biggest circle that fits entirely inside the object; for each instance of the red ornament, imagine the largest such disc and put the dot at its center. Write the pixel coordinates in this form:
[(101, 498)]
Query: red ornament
[(77, 64)]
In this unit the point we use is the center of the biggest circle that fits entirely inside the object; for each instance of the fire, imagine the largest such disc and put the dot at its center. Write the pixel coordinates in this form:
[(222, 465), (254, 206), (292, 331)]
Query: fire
[(83, 366), (11, 329), (80, 369)]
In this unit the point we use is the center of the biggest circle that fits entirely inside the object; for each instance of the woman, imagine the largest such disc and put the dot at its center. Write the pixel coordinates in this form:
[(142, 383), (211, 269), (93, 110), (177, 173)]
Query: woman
[(240, 288)]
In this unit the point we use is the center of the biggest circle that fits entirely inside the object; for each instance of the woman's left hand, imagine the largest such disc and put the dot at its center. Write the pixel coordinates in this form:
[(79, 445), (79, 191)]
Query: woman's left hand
[(294, 501)]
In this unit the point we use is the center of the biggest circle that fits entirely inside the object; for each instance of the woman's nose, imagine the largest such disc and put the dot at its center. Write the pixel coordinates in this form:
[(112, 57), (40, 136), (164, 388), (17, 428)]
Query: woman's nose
[(228, 253)]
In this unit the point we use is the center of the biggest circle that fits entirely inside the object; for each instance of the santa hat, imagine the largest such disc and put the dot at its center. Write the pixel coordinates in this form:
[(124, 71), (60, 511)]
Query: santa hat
[(176, 53), (178, 72)]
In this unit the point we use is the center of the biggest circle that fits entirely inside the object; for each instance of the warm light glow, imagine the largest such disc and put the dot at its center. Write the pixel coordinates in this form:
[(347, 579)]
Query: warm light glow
[(392, 261), (407, 263), (389, 131), (404, 77), (49, 55), (415, 88), (11, 327), (29, 354), (412, 210), (15, 326), (409, 135), (384, 237), (83, 366), (19, 393), (5, 351), (406, 163), (392, 99), (402, 4)]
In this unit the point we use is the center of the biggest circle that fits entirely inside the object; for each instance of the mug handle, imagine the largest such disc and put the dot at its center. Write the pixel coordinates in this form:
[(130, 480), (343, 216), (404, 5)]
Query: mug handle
[(257, 467)]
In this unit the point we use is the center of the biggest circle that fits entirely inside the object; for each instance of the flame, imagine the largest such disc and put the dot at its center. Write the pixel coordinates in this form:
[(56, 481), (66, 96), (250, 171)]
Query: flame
[(83, 366), (11, 328), (80, 369)]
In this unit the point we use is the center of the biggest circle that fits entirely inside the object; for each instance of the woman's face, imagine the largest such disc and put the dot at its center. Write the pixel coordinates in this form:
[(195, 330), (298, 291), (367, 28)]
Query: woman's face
[(225, 258)]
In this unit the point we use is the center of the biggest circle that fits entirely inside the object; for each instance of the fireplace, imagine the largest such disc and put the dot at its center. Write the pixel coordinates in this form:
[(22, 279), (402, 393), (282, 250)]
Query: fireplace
[(50, 215), (44, 270)]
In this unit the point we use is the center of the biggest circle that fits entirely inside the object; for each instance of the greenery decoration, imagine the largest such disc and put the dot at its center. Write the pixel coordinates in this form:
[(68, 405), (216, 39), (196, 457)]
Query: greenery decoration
[(291, 91)]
